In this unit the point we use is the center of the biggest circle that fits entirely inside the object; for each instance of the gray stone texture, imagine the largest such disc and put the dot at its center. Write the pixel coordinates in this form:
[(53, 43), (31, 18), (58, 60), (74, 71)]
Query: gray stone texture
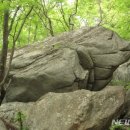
[(85, 58), (78, 110)]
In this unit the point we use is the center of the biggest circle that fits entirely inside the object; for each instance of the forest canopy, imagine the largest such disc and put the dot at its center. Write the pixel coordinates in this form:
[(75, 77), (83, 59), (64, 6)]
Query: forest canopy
[(51, 17)]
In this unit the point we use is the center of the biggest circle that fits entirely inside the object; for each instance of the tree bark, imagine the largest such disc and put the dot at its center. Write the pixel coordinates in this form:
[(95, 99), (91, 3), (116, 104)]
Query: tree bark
[(4, 52), (29, 32), (4, 72), (5, 45), (71, 24), (35, 33)]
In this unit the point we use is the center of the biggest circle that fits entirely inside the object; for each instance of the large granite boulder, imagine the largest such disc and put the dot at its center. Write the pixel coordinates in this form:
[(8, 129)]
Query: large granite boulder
[(78, 110), (82, 59)]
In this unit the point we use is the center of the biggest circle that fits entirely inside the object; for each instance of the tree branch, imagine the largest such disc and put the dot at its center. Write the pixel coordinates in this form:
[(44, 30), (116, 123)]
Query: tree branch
[(12, 21), (63, 16), (13, 47), (17, 36), (72, 15), (100, 12)]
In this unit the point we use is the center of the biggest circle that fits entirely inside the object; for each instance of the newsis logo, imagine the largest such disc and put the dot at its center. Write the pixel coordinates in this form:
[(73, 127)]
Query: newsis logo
[(125, 122)]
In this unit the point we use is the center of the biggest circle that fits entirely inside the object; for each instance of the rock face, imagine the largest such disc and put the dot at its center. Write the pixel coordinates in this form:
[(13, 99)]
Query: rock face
[(85, 59), (2, 125), (78, 110), (122, 74), (127, 105)]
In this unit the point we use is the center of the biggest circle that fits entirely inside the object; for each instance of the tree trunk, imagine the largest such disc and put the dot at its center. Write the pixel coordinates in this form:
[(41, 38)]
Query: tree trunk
[(35, 33), (29, 32), (4, 52), (3, 71), (5, 45)]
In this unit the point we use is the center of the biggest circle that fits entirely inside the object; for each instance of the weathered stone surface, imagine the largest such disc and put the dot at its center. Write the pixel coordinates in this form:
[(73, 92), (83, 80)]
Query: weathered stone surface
[(122, 74), (122, 77), (2, 125), (78, 110), (49, 73), (103, 73), (62, 61), (100, 83), (127, 105), (109, 60), (9, 114)]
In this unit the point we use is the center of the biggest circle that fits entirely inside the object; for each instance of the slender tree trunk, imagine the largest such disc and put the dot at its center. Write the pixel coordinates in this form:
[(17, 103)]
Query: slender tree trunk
[(4, 52), (5, 45), (50, 26), (100, 12), (3, 71), (35, 33), (63, 16), (19, 43), (29, 31), (49, 21), (71, 24)]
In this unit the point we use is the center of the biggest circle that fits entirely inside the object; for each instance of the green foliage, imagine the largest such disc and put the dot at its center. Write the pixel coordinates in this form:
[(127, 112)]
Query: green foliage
[(20, 118), (117, 127), (127, 86), (120, 83), (113, 14)]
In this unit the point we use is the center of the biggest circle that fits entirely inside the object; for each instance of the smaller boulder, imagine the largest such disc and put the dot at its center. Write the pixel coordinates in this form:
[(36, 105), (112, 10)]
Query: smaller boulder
[(78, 110)]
